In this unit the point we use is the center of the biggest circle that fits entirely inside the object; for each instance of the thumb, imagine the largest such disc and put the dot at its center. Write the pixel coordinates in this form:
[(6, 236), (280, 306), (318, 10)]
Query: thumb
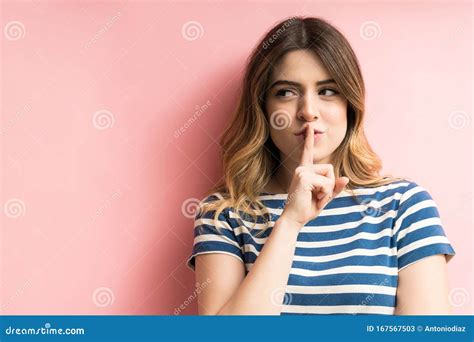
[(341, 183)]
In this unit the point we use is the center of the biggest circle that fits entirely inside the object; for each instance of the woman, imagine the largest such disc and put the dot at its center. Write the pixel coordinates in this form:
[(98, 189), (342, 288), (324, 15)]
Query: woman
[(303, 222)]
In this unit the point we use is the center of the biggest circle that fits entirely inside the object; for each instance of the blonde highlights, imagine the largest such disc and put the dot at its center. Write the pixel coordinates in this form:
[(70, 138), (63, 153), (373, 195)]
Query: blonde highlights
[(249, 157)]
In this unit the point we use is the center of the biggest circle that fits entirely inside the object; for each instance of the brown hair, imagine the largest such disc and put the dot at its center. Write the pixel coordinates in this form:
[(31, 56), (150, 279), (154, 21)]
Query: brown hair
[(250, 157)]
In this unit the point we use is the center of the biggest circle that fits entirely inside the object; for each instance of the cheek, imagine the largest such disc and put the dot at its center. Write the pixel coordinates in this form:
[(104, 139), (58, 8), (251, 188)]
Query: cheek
[(279, 123), (336, 117), (283, 140), (339, 122), (336, 121), (279, 137), (279, 112)]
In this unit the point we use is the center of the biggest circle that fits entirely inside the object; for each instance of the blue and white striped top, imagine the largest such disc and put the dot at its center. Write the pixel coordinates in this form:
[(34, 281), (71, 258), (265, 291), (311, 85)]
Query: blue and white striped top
[(347, 259)]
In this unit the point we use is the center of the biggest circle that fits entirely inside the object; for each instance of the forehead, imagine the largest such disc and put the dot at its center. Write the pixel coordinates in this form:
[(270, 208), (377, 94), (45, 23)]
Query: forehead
[(300, 66)]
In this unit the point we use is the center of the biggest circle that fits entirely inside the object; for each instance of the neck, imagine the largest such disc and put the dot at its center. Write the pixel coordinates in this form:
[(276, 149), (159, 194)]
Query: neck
[(284, 175)]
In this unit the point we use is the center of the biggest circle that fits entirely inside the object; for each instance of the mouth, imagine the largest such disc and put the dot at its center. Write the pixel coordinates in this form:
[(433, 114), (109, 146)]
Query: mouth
[(303, 133), (317, 136)]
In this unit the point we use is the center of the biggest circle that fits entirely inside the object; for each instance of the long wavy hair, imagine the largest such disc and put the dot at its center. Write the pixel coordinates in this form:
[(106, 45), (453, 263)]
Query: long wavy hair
[(249, 156)]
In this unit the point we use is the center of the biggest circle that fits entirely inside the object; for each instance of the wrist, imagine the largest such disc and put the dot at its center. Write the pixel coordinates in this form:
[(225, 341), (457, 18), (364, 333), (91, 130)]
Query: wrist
[(289, 224)]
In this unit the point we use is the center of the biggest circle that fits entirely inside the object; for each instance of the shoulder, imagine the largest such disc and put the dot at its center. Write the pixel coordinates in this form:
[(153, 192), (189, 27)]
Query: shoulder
[(406, 192), (402, 188), (415, 203), (399, 193), (389, 190), (414, 192), (209, 205), (215, 196)]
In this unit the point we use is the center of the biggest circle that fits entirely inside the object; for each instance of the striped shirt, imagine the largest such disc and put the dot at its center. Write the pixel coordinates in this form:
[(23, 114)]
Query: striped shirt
[(347, 259)]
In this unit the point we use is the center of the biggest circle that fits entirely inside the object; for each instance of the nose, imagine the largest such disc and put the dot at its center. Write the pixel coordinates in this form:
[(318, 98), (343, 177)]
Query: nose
[(308, 108)]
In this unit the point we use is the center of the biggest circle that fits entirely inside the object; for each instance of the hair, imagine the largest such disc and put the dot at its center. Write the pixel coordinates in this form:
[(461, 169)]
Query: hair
[(249, 156)]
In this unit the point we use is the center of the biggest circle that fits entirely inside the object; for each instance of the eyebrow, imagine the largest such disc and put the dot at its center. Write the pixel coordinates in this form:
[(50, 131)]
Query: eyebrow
[(296, 84)]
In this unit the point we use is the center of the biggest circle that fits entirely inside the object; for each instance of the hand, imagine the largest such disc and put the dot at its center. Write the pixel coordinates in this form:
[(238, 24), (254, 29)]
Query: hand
[(312, 186)]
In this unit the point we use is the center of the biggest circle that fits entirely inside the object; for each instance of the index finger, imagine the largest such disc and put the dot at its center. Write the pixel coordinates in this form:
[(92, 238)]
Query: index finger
[(307, 155)]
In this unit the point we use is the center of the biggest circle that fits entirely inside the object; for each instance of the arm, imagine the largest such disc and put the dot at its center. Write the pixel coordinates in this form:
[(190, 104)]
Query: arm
[(423, 288), (230, 292)]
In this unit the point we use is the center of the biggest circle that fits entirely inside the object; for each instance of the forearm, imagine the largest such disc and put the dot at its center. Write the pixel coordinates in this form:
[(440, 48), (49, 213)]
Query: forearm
[(257, 294)]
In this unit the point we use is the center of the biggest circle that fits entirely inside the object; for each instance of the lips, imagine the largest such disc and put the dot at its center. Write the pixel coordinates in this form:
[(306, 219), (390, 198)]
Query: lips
[(317, 137), (303, 132)]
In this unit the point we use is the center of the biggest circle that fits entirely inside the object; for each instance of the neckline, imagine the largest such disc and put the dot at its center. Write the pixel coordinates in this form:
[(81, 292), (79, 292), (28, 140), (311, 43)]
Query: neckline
[(273, 194), (264, 193)]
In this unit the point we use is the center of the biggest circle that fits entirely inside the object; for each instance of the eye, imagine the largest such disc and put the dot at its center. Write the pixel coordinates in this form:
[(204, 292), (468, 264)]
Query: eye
[(281, 92), (330, 90)]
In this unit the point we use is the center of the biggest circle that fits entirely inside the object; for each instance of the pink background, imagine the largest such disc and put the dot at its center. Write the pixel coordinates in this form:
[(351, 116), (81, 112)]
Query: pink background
[(92, 217)]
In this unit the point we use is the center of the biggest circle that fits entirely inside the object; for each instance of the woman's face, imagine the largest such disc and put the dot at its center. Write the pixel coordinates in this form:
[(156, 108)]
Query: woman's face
[(300, 94)]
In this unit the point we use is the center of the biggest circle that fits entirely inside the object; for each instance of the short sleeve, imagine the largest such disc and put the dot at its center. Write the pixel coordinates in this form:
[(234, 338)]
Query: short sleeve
[(209, 239), (418, 228)]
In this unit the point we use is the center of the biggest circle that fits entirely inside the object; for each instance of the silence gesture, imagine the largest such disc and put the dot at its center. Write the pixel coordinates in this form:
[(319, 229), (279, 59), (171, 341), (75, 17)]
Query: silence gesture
[(312, 186)]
